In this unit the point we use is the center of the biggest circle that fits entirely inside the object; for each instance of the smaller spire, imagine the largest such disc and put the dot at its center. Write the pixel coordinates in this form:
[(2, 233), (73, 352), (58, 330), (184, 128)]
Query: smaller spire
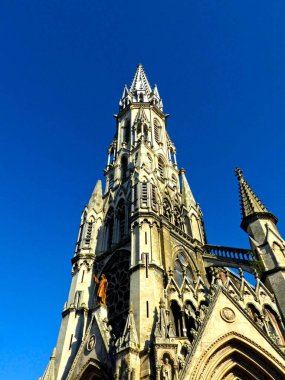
[(130, 336), (187, 195), (251, 205), (96, 199)]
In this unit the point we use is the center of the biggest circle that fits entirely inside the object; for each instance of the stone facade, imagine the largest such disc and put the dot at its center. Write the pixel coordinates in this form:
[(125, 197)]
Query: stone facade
[(173, 310)]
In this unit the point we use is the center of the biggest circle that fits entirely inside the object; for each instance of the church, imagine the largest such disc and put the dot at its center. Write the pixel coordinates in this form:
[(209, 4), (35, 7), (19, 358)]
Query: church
[(150, 297)]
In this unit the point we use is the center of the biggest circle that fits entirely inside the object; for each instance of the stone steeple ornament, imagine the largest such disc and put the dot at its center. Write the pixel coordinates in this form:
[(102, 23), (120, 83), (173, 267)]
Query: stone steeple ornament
[(150, 299), (251, 205)]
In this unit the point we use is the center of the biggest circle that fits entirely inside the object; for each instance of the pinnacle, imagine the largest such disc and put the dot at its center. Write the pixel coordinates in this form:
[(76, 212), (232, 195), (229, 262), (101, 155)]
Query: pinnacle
[(250, 203)]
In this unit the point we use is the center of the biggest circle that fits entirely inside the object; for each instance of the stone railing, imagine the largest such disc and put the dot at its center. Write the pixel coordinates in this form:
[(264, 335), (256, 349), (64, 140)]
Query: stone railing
[(229, 252)]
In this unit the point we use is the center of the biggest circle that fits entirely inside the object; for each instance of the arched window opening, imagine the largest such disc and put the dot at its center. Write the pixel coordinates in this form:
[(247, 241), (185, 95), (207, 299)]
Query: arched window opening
[(161, 168), (181, 269), (167, 209), (187, 225), (124, 168), (121, 212), (178, 272), (127, 128), (157, 131), (111, 155), (145, 132), (176, 317), (254, 313), (141, 97), (110, 227), (273, 325), (190, 320)]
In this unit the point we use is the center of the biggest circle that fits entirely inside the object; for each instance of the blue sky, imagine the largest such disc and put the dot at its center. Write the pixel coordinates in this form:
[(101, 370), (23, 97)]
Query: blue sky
[(219, 66)]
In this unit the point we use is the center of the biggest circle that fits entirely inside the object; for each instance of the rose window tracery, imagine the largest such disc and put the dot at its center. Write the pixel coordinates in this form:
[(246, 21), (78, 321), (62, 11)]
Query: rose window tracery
[(118, 292)]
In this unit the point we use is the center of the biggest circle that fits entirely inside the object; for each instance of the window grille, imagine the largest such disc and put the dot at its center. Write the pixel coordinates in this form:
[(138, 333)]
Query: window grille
[(161, 168), (144, 193), (156, 132)]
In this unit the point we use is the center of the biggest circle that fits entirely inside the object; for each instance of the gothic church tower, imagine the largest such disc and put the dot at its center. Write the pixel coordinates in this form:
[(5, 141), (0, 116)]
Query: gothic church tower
[(149, 297)]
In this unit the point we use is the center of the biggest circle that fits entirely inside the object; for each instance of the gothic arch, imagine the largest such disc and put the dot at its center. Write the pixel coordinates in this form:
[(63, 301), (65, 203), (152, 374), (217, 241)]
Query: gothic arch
[(273, 323), (233, 356), (92, 371), (180, 249)]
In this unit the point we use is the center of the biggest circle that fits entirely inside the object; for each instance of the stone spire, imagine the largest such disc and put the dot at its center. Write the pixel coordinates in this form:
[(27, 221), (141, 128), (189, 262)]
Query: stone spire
[(187, 196), (140, 91), (140, 81), (251, 205), (96, 200), (130, 336)]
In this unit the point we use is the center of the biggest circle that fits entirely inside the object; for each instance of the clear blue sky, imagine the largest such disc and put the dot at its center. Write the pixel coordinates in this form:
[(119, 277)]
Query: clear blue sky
[(219, 66)]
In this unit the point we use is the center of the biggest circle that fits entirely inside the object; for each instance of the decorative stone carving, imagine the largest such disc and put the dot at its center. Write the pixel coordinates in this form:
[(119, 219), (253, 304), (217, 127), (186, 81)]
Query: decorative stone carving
[(166, 370), (228, 314), (91, 343)]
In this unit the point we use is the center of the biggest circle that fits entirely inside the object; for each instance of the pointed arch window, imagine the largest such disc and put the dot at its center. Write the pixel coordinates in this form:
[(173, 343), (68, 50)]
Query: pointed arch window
[(145, 132), (124, 168), (182, 269), (127, 131), (273, 325), (254, 313), (176, 317)]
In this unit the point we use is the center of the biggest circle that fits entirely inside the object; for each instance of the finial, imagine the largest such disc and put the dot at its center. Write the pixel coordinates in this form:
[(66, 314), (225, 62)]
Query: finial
[(182, 171), (239, 173)]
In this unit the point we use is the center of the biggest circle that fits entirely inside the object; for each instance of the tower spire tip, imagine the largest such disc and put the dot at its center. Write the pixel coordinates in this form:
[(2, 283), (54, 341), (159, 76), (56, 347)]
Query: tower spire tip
[(239, 173)]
